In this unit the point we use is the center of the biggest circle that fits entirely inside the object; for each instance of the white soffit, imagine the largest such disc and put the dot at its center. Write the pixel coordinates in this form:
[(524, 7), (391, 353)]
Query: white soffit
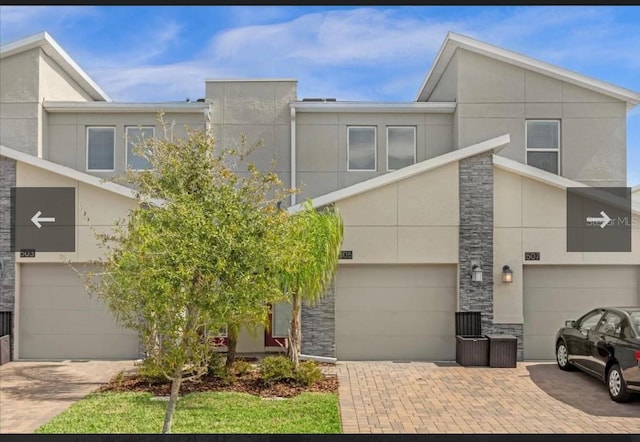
[(493, 144), (55, 51), (454, 41), (374, 107), (111, 107)]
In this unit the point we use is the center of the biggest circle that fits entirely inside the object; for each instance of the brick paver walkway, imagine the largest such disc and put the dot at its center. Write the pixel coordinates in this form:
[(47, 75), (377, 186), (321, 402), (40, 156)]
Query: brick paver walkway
[(422, 397), (31, 393)]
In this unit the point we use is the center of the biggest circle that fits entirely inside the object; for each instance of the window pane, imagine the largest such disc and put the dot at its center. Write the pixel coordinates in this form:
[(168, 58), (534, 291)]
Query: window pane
[(136, 136), (543, 160), (362, 148), (281, 320), (542, 134), (100, 148), (402, 147)]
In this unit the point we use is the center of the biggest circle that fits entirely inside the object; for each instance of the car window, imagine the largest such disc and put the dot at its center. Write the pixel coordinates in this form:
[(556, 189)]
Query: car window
[(626, 332), (635, 322), (589, 322), (611, 324)]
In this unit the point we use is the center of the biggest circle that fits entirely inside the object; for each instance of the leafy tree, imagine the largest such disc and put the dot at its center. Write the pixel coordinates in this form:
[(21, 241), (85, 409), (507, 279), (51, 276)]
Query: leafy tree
[(313, 239), (197, 252)]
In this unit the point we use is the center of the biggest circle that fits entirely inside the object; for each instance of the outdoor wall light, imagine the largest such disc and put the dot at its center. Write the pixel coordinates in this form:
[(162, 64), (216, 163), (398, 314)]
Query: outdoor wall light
[(507, 274), (476, 273)]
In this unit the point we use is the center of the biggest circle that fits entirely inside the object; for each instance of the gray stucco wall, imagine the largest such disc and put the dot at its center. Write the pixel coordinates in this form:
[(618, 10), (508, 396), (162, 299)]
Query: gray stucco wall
[(476, 235), (259, 109), (66, 135), (318, 326), (321, 145), (7, 258), (495, 98)]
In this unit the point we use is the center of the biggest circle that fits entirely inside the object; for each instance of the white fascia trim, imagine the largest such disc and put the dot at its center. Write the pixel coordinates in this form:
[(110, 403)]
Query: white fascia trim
[(545, 177), (70, 173), (111, 107), (493, 144), (59, 55), (248, 80), (635, 189), (460, 41), (374, 107)]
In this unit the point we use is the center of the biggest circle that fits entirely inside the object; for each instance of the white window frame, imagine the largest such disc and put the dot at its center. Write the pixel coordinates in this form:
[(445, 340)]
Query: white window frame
[(273, 323), (537, 149), (375, 148), (113, 128), (126, 143), (415, 143)]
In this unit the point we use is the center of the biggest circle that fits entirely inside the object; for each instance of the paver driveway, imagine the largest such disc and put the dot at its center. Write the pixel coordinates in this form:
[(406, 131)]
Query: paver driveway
[(32, 393), (423, 397)]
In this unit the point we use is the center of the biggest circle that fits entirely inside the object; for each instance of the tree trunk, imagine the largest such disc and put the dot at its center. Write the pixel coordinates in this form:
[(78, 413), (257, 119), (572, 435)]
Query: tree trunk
[(232, 342), (173, 400), (294, 332)]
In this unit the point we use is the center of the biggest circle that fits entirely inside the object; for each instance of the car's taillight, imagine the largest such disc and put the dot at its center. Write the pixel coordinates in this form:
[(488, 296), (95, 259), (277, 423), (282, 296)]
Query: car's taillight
[(638, 355)]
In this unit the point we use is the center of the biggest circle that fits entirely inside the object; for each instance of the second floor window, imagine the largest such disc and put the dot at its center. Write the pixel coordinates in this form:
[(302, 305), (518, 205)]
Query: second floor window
[(361, 148), (136, 136), (101, 148), (543, 145), (401, 147)]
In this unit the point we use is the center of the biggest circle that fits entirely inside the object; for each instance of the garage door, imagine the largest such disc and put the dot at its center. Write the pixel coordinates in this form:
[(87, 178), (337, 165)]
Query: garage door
[(58, 319), (395, 312), (555, 294)]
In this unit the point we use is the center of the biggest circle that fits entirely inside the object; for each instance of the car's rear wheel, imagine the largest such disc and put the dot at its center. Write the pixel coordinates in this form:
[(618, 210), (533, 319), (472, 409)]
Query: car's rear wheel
[(617, 387), (562, 357)]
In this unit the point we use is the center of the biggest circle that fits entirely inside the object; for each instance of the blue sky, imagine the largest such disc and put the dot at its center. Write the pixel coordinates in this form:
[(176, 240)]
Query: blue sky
[(164, 53)]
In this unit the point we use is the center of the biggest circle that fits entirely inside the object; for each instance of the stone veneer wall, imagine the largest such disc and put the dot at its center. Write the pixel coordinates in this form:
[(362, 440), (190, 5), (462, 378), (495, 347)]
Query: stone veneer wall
[(476, 235), (515, 330), (319, 326), (7, 258)]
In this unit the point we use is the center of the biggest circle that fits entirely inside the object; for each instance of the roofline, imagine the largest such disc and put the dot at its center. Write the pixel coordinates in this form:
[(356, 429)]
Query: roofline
[(273, 80), (548, 178), (70, 173), (372, 107), (493, 144), (107, 107), (60, 56), (454, 41), (635, 188)]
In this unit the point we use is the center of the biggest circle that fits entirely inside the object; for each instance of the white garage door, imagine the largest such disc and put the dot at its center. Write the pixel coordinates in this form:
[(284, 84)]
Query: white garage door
[(58, 319), (555, 294), (395, 312)]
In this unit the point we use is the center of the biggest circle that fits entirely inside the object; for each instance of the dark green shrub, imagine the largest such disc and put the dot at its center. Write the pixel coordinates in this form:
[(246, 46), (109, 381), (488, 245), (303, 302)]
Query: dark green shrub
[(216, 365), (276, 368), (308, 373), (151, 373)]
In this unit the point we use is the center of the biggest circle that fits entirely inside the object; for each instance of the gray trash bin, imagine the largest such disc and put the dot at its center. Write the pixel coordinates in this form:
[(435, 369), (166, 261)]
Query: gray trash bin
[(472, 350), (503, 351), (5, 349)]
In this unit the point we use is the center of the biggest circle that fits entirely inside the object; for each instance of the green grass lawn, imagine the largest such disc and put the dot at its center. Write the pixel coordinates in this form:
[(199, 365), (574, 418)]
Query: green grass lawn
[(199, 413)]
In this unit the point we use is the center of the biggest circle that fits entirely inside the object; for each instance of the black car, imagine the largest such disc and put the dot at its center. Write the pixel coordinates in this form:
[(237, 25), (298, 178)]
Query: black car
[(604, 343)]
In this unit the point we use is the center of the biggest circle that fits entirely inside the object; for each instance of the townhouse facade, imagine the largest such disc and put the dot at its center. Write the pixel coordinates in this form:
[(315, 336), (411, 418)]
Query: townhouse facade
[(469, 178)]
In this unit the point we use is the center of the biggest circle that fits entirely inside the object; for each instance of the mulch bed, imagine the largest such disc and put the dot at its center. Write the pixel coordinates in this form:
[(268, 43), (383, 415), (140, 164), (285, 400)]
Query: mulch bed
[(245, 383)]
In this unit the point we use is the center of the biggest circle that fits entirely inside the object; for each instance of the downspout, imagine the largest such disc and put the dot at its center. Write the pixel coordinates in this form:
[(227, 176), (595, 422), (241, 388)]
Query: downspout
[(293, 154)]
